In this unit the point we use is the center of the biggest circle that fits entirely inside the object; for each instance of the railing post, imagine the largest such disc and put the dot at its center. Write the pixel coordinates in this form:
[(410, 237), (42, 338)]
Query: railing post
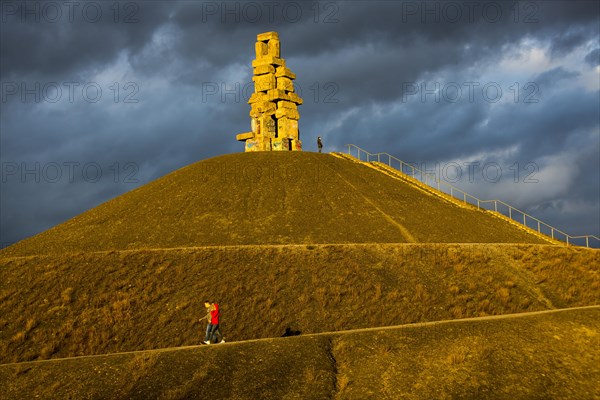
[(524, 219), (510, 212), (496, 205), (538, 226), (567, 236), (587, 241)]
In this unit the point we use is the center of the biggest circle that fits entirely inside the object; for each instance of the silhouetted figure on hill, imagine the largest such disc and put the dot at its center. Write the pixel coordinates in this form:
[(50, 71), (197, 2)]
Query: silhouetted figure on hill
[(288, 332), (212, 329), (319, 143)]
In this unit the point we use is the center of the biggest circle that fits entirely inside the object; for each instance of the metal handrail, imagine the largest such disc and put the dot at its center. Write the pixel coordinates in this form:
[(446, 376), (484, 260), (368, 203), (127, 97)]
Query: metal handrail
[(438, 184)]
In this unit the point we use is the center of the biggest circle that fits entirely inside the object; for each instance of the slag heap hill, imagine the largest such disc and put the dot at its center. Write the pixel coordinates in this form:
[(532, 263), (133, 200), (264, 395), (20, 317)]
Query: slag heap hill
[(274, 103)]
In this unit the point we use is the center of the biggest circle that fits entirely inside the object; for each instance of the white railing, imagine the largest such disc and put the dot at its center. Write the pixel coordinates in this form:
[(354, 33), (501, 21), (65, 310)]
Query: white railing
[(496, 205)]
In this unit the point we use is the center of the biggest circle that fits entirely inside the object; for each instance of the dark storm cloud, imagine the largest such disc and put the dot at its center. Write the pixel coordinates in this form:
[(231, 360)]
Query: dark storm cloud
[(563, 43), (355, 61), (593, 58), (548, 78), (38, 39)]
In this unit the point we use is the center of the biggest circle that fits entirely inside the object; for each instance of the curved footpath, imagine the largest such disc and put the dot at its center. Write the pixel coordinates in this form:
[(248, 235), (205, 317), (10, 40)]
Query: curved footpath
[(543, 354), (345, 332)]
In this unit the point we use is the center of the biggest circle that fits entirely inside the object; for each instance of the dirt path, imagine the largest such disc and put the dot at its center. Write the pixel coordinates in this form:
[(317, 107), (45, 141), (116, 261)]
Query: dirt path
[(333, 333), (274, 245)]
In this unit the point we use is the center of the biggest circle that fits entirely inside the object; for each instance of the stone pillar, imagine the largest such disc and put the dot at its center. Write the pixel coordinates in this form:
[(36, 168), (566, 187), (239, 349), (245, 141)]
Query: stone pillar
[(274, 103)]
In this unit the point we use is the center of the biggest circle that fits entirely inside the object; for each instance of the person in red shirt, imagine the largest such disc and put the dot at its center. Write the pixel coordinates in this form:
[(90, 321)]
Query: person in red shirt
[(212, 329)]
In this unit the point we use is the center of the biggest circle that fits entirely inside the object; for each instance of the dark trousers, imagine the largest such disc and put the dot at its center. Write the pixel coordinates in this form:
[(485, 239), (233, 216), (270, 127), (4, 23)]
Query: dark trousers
[(212, 333)]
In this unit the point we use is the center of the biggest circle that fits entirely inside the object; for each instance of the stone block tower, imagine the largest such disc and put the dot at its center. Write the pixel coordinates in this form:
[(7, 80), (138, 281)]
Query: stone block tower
[(274, 103)]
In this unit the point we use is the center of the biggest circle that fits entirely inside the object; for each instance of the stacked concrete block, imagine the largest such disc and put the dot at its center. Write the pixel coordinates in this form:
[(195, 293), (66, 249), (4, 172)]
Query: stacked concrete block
[(274, 103)]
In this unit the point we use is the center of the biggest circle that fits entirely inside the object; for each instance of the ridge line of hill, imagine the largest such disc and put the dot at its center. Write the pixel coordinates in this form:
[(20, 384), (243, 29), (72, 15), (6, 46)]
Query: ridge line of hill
[(330, 333)]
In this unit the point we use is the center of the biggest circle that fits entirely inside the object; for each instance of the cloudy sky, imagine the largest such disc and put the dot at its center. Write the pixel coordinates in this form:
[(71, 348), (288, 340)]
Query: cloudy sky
[(101, 97)]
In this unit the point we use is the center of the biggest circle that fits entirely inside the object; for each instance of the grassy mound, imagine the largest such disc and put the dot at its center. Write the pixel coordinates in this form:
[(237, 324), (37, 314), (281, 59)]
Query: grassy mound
[(293, 241), (548, 355), (271, 198), (96, 303)]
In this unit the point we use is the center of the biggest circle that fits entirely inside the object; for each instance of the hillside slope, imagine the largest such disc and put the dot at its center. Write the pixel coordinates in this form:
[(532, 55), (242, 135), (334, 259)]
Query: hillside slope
[(271, 198), (535, 356), (94, 303), (300, 242)]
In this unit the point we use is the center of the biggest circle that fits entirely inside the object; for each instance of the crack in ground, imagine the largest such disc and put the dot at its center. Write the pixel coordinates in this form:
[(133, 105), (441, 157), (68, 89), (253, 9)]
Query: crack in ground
[(334, 367)]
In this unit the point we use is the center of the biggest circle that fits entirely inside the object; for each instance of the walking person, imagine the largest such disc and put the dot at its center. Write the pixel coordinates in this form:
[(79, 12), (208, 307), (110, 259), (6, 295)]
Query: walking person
[(319, 143), (212, 329)]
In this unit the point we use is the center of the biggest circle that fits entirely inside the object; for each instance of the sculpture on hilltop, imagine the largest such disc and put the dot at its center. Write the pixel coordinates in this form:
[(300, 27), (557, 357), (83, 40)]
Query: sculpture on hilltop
[(274, 103)]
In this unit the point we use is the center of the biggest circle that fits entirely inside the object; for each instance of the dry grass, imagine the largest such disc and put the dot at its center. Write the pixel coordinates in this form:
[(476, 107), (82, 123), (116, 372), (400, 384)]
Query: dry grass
[(270, 198), (342, 382), (534, 356), (457, 356), (66, 300), (62, 306), (291, 368), (559, 274), (546, 356)]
